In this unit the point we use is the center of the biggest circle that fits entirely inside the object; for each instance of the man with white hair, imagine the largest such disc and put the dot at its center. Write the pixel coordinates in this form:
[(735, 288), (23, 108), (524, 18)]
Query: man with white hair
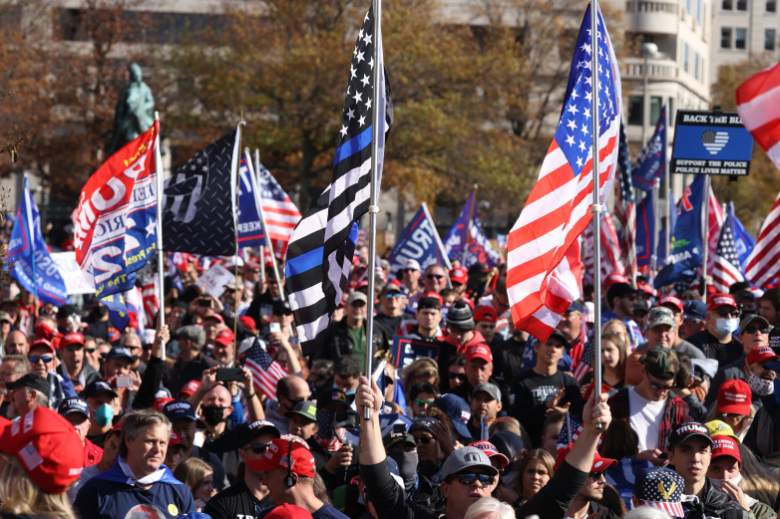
[(489, 508)]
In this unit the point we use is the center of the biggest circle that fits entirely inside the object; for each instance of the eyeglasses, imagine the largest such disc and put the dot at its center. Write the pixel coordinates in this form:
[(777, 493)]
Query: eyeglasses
[(435, 276), (756, 329), (661, 387), (45, 358), (423, 403), (258, 448), (470, 478), (457, 376), (424, 440)]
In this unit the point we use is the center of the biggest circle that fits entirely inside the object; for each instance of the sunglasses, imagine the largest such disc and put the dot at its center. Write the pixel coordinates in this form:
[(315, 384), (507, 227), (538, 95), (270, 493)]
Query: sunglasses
[(469, 479), (756, 329), (258, 448), (90, 350), (45, 358), (424, 440), (422, 403), (457, 376), (728, 313)]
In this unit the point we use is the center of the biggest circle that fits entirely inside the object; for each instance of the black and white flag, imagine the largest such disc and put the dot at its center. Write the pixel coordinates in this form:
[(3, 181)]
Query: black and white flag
[(199, 201)]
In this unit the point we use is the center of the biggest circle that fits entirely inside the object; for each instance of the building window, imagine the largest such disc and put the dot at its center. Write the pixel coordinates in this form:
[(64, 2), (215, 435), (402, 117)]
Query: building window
[(686, 57), (696, 65), (698, 11), (740, 38), (770, 39), (771, 6), (635, 110), (741, 5), (655, 109), (670, 112), (725, 37), (727, 5)]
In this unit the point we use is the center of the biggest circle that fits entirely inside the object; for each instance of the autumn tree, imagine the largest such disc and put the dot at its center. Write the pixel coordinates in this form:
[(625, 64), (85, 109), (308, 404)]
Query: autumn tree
[(471, 94), (754, 194)]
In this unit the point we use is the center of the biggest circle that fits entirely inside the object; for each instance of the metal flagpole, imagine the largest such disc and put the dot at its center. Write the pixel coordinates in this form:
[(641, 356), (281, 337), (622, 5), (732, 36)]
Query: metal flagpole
[(259, 204), (234, 161), (159, 173), (373, 208), (596, 207), (705, 238), (261, 249), (667, 182)]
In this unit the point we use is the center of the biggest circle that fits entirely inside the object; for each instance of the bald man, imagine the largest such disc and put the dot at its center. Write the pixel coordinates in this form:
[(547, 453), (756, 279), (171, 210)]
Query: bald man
[(16, 344), (289, 391)]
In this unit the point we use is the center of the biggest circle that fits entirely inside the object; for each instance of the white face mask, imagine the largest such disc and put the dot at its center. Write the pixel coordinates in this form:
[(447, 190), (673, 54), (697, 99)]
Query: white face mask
[(761, 386), (726, 325), (718, 483)]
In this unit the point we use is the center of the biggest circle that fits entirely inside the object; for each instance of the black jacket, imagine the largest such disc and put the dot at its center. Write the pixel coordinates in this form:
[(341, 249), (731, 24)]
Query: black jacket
[(712, 502)]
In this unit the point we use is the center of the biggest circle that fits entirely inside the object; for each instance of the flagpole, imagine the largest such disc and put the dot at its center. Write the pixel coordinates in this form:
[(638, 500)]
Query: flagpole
[(26, 196), (158, 167), (596, 207), (437, 237), (667, 182), (373, 207), (234, 160), (259, 204), (706, 237)]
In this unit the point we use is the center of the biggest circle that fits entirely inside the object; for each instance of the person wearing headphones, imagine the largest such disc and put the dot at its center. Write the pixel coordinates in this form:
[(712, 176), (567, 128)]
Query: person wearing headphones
[(288, 469)]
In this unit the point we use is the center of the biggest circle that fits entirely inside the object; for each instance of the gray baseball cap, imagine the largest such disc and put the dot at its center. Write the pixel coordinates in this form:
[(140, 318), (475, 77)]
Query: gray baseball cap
[(490, 389), (463, 459), (192, 332), (660, 315)]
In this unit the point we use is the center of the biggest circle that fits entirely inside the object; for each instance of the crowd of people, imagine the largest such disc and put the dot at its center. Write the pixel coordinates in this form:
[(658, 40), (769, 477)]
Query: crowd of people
[(459, 415)]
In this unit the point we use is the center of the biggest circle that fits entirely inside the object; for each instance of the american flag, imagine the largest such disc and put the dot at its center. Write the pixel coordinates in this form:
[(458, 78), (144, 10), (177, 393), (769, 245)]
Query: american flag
[(543, 275), (763, 264), (265, 371), (319, 257), (726, 269), (280, 213), (758, 104), (611, 258), (149, 296), (625, 206), (716, 216)]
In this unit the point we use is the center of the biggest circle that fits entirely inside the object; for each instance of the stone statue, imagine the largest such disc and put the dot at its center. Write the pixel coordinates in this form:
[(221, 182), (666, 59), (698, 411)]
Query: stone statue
[(134, 112)]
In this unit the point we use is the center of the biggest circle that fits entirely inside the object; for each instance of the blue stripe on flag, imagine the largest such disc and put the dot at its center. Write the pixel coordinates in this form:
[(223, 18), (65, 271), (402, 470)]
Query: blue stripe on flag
[(304, 262), (354, 145)]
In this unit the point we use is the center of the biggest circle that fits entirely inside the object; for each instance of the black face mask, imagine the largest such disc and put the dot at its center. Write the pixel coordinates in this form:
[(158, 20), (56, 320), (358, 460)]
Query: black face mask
[(407, 465), (213, 414), (428, 468)]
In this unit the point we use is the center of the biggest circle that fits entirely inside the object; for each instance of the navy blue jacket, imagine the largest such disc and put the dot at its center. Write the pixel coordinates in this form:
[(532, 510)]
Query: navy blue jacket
[(111, 494)]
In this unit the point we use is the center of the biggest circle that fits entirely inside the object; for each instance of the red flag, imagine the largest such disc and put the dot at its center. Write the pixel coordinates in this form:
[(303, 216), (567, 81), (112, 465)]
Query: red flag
[(758, 104)]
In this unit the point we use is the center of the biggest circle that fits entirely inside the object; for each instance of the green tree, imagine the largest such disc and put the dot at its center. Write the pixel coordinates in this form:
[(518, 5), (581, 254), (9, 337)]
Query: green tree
[(471, 98)]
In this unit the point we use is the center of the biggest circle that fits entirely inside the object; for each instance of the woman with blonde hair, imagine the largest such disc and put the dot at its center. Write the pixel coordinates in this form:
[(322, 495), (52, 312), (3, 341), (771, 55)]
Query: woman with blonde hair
[(50, 445), (199, 477)]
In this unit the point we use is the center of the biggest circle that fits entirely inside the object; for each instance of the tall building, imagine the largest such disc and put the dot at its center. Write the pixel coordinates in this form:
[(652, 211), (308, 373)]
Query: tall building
[(743, 29)]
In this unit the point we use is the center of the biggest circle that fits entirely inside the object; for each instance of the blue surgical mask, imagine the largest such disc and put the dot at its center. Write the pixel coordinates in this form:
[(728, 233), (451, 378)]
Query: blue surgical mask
[(104, 414), (725, 326)]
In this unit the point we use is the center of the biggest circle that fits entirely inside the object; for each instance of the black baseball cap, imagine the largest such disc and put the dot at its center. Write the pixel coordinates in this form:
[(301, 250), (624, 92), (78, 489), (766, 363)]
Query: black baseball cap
[(247, 432), (32, 381), (98, 387), (688, 431), (661, 363), (179, 410), (73, 405)]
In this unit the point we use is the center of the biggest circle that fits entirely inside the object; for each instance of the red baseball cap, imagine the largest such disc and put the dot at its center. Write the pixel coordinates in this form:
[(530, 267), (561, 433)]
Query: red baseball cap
[(44, 330), (479, 351), (719, 300), (725, 446), (189, 388), (47, 447), (211, 314), (735, 397), (459, 275), (600, 464), (614, 279), (286, 453), (248, 323), (647, 288), (42, 342), (485, 313), (288, 511), (225, 337), (71, 338), (492, 452), (673, 303), (761, 354)]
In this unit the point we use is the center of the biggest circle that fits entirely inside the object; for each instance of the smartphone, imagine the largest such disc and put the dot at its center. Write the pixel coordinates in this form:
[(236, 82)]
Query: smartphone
[(275, 328), (230, 374), (124, 381)]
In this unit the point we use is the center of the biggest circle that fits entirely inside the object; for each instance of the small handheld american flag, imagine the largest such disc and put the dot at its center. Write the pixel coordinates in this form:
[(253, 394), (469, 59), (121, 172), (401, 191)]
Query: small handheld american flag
[(266, 372)]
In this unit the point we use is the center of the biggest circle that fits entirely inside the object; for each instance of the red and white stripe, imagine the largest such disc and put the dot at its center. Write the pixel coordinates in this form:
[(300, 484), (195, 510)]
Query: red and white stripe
[(716, 216), (149, 297), (758, 104), (265, 380), (544, 270), (763, 264), (280, 220), (724, 274), (611, 257)]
